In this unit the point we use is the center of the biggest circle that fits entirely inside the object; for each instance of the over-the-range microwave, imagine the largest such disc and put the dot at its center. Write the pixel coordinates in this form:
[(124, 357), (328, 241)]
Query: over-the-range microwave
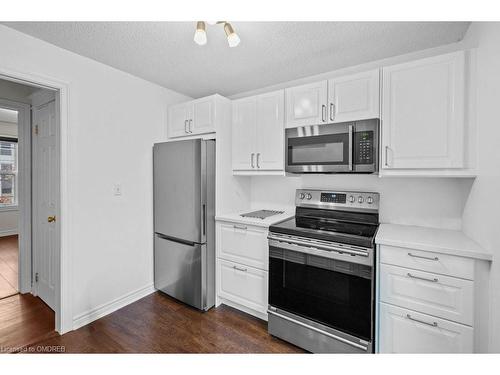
[(350, 147)]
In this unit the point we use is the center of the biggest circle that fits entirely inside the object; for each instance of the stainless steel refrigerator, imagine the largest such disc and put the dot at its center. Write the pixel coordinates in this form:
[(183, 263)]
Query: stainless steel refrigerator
[(184, 226)]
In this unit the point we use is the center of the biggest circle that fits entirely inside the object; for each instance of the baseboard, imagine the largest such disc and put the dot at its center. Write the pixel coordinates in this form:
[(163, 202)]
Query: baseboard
[(109, 307), (6, 233)]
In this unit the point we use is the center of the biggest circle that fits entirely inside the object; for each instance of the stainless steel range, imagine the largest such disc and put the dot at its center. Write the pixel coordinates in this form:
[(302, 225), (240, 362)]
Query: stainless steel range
[(322, 272)]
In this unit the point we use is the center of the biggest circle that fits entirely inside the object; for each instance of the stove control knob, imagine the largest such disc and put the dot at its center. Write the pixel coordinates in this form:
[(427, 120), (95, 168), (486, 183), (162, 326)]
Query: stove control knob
[(351, 199), (302, 195), (360, 199), (369, 200), (308, 196)]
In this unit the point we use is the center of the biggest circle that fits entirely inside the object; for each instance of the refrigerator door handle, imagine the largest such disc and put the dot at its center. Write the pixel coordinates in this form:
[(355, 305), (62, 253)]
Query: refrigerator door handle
[(204, 208), (173, 239)]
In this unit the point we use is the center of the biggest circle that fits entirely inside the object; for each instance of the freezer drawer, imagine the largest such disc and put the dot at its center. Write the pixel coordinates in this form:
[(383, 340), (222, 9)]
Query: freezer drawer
[(179, 271)]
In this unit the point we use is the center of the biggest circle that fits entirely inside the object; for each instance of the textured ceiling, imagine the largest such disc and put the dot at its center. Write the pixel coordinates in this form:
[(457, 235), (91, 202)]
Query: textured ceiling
[(269, 52)]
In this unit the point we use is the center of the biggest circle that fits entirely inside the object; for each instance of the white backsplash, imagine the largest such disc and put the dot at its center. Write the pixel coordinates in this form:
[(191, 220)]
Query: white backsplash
[(430, 202)]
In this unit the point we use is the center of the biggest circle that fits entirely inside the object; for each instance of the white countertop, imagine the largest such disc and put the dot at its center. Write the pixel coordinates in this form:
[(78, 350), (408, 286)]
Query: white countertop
[(445, 241), (236, 218)]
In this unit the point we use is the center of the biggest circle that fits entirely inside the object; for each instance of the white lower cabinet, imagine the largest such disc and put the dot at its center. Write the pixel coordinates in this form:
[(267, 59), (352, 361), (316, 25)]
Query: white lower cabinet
[(425, 302), (244, 285), (407, 331), (242, 264)]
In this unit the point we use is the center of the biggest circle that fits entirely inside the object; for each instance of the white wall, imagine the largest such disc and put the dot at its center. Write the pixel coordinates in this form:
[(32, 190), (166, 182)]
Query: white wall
[(114, 119), (481, 214)]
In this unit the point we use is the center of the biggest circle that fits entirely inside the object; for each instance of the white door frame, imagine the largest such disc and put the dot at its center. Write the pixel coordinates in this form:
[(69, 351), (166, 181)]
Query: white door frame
[(23, 190), (63, 310)]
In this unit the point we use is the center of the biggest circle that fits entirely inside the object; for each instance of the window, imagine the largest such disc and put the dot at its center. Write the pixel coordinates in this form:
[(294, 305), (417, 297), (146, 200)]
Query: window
[(8, 172)]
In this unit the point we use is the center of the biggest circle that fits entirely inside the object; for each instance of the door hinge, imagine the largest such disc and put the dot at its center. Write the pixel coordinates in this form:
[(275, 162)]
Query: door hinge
[(35, 130), (36, 277)]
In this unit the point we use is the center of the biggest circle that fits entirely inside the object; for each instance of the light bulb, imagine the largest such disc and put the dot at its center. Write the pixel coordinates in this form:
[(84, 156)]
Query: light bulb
[(200, 35), (232, 38)]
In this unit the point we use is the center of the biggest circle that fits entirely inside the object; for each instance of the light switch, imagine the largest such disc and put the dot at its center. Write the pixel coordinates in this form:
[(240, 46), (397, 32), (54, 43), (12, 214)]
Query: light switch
[(117, 189)]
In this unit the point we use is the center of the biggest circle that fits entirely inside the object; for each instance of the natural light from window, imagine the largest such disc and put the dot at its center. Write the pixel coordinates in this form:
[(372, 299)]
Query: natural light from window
[(8, 158)]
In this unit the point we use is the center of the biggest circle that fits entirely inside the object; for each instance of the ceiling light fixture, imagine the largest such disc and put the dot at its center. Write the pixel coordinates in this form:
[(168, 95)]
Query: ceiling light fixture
[(232, 38), (200, 35)]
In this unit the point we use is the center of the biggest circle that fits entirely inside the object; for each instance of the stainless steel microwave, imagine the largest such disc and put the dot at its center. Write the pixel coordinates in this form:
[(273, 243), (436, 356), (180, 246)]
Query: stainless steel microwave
[(350, 147)]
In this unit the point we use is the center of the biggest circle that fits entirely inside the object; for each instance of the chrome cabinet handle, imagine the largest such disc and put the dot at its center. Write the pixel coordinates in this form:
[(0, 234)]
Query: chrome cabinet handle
[(185, 126), (258, 157), (242, 227), (323, 113), (190, 122), (422, 257), (422, 278), (251, 160), (386, 156), (433, 324), (351, 146), (240, 269), (332, 111)]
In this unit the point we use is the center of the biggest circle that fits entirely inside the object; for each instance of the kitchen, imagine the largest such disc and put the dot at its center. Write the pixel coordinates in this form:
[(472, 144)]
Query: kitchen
[(344, 208), (331, 140)]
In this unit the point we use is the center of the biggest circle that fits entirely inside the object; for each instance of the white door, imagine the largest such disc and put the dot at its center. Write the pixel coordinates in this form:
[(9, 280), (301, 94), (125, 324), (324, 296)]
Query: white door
[(270, 131), (354, 97), (423, 113), (178, 120), (45, 201), (406, 331), (243, 137), (203, 116), (306, 104)]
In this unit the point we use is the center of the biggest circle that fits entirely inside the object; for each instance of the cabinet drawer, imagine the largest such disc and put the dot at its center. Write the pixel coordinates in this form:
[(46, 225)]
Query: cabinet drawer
[(443, 296), (428, 261), (243, 244), (406, 331), (242, 284)]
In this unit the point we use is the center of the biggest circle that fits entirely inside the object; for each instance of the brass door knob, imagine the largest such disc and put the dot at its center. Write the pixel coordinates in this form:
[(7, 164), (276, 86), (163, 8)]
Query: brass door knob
[(51, 219)]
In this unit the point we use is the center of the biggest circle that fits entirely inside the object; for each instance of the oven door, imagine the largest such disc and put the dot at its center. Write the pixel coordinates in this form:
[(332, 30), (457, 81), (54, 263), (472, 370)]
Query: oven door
[(329, 291), (314, 149)]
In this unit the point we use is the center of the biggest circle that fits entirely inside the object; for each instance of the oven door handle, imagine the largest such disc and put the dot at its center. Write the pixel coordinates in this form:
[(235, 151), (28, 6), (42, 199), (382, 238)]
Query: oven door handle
[(335, 337), (351, 146), (317, 246)]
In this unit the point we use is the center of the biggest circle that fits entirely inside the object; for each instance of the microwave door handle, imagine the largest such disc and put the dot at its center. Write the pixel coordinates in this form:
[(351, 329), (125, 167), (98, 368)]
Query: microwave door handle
[(351, 145)]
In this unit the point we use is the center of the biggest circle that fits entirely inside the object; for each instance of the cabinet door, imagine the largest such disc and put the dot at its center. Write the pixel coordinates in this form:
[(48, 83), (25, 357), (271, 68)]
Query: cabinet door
[(423, 113), (178, 117), (243, 135), (270, 131), (405, 331), (203, 115), (306, 104), (244, 285), (354, 97)]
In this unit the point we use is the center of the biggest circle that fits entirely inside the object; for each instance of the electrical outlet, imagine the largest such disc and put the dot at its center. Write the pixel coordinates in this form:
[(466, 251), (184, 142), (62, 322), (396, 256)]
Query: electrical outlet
[(117, 189)]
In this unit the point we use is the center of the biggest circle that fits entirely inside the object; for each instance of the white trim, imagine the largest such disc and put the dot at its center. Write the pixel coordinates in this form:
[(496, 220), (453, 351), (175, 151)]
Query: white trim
[(109, 307), (9, 208), (64, 308), (10, 232)]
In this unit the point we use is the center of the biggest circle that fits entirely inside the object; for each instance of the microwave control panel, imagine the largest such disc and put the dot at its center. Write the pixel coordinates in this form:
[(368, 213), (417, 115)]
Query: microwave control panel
[(363, 147)]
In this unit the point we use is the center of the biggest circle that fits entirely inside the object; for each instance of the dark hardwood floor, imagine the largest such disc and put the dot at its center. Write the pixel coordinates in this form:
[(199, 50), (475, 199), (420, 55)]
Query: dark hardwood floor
[(160, 324), (24, 320)]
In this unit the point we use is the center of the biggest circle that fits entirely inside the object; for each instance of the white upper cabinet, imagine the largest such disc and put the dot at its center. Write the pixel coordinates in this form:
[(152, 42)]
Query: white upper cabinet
[(270, 131), (203, 117), (243, 133), (178, 118), (258, 134), (354, 97), (306, 104), (423, 113), (192, 118)]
